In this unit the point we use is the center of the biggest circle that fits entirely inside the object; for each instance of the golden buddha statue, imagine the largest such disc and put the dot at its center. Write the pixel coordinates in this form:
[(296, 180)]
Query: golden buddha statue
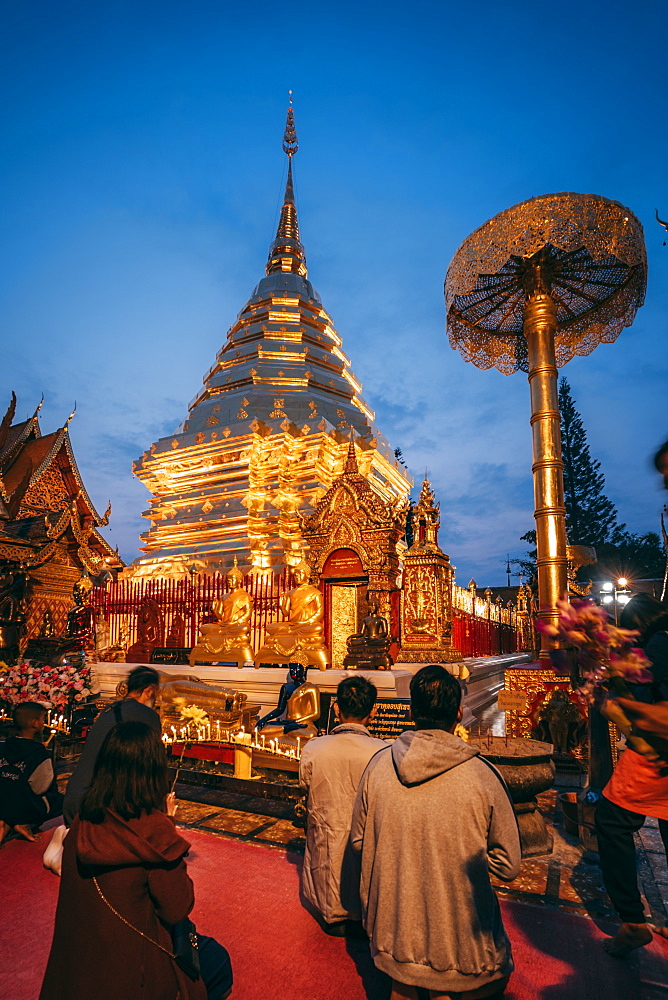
[(228, 638), (303, 631), (297, 711)]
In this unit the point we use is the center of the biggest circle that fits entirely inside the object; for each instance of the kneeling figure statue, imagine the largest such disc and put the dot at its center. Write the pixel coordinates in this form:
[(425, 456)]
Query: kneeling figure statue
[(297, 711)]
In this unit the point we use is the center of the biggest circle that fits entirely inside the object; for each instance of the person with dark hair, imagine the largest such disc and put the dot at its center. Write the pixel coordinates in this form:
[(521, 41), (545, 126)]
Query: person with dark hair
[(28, 791), (330, 770), (125, 884), (661, 462), (432, 820), (143, 684), (638, 787)]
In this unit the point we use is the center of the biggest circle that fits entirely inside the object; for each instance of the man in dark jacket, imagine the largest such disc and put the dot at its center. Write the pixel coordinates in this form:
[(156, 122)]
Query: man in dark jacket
[(28, 792), (137, 706)]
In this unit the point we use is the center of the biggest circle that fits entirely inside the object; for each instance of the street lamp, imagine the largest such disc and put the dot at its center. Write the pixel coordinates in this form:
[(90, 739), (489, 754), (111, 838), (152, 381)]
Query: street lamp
[(616, 593)]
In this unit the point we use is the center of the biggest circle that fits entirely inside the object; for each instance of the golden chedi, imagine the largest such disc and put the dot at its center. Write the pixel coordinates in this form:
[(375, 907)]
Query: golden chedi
[(266, 434), (301, 636), (228, 638)]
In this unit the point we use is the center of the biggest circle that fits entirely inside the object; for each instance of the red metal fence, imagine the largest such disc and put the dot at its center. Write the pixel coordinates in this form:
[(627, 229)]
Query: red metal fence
[(184, 605), (476, 636)]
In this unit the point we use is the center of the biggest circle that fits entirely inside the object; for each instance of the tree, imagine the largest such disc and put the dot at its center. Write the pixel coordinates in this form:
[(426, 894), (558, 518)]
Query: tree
[(639, 557), (591, 519), (527, 566)]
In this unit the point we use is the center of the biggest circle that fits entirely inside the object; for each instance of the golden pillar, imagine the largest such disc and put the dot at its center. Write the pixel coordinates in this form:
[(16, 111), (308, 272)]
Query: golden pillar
[(540, 324)]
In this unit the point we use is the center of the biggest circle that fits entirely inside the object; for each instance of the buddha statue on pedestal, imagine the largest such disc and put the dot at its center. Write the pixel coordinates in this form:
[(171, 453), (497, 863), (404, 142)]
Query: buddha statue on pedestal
[(228, 638), (302, 631), (297, 711), (80, 628), (369, 649)]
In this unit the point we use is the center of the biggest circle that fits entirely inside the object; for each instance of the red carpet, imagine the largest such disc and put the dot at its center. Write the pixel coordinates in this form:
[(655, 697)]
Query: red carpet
[(248, 897)]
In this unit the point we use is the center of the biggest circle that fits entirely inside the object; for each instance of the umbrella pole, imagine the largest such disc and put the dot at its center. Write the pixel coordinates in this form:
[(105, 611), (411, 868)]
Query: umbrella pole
[(540, 324)]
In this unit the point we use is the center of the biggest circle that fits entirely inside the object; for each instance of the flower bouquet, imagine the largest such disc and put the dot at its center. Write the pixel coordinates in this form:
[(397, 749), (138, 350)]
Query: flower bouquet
[(53, 686), (607, 658)]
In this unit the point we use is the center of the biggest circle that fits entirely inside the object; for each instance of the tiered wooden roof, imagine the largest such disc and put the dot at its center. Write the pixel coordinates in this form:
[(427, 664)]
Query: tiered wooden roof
[(43, 501)]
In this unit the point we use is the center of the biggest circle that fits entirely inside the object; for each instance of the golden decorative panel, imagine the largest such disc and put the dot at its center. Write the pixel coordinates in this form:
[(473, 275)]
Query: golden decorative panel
[(344, 621)]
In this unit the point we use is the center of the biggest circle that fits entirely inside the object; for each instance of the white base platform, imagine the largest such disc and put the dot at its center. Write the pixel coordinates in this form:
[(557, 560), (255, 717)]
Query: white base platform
[(481, 687)]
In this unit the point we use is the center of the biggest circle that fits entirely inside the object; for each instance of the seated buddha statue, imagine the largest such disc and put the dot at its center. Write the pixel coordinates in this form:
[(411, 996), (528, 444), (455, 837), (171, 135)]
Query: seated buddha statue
[(370, 647), (80, 628), (228, 638), (297, 711), (302, 631)]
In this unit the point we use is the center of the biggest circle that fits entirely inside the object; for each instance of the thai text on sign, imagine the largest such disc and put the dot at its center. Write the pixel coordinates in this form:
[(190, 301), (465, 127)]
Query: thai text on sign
[(512, 701), (393, 717)]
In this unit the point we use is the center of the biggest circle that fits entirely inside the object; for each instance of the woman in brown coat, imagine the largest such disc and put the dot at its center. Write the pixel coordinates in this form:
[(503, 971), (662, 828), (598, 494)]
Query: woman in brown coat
[(122, 854)]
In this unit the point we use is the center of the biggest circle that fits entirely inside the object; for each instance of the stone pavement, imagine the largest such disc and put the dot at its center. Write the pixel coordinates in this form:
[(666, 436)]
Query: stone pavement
[(564, 879)]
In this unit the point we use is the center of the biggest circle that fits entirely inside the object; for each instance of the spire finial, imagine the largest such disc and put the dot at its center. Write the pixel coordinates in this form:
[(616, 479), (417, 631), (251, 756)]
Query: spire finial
[(290, 144), (286, 252), (351, 467)]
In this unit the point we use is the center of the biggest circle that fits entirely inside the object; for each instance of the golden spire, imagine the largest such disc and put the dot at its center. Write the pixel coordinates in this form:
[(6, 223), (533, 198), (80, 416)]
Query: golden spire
[(351, 467), (286, 252)]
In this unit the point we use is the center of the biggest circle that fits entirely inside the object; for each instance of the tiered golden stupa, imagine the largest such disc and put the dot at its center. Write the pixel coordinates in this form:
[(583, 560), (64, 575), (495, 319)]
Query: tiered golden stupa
[(268, 432)]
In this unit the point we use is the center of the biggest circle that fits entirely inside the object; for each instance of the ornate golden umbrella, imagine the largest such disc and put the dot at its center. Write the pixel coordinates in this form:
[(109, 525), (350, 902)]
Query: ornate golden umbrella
[(545, 280)]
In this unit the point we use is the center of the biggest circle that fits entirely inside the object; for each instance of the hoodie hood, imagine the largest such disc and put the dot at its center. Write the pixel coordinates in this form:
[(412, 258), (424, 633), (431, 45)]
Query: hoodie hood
[(151, 839), (420, 755)]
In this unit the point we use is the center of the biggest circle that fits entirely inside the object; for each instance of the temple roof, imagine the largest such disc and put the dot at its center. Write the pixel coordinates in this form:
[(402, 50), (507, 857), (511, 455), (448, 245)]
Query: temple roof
[(43, 495)]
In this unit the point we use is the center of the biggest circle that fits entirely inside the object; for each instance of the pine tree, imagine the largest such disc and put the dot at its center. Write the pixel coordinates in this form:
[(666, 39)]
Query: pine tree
[(591, 519)]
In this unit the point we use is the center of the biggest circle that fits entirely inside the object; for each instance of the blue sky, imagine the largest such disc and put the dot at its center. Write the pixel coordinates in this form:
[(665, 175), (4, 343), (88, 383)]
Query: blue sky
[(141, 174)]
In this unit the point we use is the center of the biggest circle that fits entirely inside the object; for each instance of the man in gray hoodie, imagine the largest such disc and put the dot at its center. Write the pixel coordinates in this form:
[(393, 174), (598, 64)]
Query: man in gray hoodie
[(432, 820)]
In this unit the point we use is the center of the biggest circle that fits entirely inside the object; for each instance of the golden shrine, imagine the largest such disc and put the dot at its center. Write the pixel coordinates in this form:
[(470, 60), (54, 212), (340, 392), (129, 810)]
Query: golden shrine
[(268, 432), (48, 531), (426, 633)]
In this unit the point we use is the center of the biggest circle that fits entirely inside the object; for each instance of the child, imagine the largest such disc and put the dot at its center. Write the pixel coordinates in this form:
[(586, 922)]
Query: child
[(28, 792)]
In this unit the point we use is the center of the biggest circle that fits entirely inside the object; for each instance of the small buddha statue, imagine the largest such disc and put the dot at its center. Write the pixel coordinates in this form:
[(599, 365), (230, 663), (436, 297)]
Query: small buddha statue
[(369, 648), (303, 608), (80, 627), (297, 711), (47, 629), (228, 638)]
